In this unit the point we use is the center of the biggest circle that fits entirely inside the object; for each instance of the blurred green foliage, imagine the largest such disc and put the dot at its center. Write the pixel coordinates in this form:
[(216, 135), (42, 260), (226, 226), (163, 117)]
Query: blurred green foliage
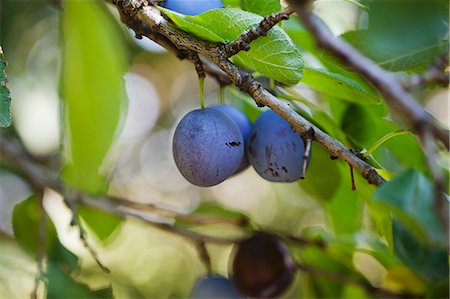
[(388, 237)]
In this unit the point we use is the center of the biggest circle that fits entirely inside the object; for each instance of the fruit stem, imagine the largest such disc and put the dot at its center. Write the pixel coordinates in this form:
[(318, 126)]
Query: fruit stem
[(384, 139), (201, 83), (221, 95)]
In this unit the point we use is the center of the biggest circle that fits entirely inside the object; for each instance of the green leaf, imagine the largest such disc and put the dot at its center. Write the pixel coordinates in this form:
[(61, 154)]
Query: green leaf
[(94, 63), (26, 225), (345, 210), (316, 183), (262, 8), (61, 285), (429, 263), (338, 86), (5, 96), (274, 55), (303, 38), (401, 59), (103, 224), (421, 25), (231, 3), (411, 196)]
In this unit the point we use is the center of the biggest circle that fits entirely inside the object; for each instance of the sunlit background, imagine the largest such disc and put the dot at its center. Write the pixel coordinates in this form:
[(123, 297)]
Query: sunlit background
[(145, 261)]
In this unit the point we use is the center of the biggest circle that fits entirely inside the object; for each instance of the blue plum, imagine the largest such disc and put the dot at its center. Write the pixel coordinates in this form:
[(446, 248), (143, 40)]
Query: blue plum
[(275, 150), (207, 147), (214, 286), (191, 7), (244, 125)]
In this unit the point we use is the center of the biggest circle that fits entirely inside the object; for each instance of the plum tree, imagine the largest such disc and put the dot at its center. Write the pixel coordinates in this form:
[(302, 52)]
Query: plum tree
[(191, 7), (214, 286), (262, 266), (275, 150), (207, 147), (244, 125)]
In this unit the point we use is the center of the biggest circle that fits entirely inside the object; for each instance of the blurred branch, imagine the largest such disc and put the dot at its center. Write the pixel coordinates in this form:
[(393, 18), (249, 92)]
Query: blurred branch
[(437, 72), (134, 12), (340, 277)]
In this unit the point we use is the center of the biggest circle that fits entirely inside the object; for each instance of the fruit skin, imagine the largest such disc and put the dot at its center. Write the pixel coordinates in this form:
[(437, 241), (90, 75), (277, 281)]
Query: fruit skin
[(214, 286), (207, 147), (244, 125), (191, 7), (262, 266), (274, 149)]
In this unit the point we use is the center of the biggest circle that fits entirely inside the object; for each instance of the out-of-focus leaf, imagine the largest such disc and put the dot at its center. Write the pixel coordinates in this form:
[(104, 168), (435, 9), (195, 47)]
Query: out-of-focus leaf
[(361, 124), (26, 225), (61, 285), (103, 224), (262, 8), (5, 96), (63, 257), (365, 125), (338, 86), (303, 38), (316, 179), (231, 3), (399, 60), (316, 115), (274, 55), (430, 263), (345, 209), (401, 279), (421, 25), (332, 262), (410, 196), (94, 63)]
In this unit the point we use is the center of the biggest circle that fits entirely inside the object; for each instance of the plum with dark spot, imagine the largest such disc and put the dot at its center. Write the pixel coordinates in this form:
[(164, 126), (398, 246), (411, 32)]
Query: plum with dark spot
[(191, 7), (214, 286), (207, 147), (275, 150), (244, 125), (262, 266)]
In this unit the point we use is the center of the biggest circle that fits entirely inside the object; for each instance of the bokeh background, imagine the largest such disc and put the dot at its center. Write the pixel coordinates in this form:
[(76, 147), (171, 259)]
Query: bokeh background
[(160, 89)]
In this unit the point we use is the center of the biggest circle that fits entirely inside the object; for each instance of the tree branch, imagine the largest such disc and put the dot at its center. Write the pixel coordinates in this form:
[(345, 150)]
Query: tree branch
[(242, 43), (385, 82), (215, 53)]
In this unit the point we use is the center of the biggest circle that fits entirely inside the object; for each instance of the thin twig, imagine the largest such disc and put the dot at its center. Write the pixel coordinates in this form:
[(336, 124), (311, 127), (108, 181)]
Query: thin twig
[(71, 200), (352, 178), (242, 43)]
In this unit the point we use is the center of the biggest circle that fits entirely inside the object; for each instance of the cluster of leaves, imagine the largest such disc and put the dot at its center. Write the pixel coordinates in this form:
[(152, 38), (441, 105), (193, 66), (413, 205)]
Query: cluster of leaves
[(404, 234)]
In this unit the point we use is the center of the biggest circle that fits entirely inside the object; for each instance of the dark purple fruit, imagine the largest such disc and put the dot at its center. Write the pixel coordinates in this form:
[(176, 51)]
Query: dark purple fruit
[(214, 286), (207, 147), (262, 266), (191, 7), (275, 150), (244, 125)]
